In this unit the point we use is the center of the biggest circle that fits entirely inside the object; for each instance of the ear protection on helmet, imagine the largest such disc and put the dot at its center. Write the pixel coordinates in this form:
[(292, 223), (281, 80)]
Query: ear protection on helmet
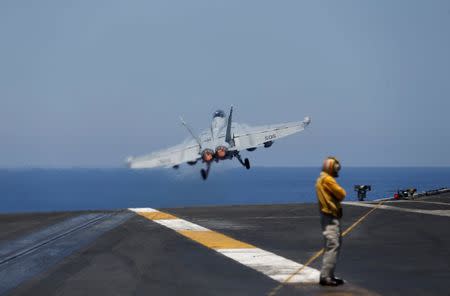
[(331, 166)]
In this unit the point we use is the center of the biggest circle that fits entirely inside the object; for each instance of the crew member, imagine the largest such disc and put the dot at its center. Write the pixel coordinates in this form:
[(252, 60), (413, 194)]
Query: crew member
[(330, 195)]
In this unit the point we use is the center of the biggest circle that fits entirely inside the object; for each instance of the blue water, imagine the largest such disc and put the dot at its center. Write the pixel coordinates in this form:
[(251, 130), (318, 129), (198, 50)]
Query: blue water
[(25, 190)]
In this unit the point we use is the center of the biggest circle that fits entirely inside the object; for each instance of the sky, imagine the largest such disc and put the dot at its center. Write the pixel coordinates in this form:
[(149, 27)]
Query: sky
[(88, 83)]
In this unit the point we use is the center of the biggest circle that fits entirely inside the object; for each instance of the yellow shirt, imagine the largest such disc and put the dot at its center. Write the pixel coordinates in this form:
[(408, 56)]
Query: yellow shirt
[(330, 195)]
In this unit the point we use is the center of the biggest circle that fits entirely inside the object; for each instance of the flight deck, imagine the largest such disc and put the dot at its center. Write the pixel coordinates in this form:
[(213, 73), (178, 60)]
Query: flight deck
[(390, 247)]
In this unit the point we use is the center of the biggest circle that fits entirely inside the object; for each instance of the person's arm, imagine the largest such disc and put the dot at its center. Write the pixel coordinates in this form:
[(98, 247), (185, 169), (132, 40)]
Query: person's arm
[(337, 191)]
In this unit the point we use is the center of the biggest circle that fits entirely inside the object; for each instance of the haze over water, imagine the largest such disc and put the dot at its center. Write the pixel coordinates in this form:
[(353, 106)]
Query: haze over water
[(29, 190)]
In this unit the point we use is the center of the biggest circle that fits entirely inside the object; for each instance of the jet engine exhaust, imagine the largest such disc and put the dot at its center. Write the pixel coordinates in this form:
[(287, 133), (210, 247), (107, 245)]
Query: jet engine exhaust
[(221, 152), (208, 155)]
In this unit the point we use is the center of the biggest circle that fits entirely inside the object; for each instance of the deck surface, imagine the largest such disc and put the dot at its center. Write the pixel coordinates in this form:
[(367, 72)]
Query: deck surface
[(402, 248)]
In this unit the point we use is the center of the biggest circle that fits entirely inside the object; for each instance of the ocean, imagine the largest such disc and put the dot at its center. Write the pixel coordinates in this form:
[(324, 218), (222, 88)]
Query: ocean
[(31, 190)]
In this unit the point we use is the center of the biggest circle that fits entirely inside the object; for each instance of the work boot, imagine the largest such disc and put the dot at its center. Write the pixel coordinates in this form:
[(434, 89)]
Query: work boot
[(328, 281), (338, 280)]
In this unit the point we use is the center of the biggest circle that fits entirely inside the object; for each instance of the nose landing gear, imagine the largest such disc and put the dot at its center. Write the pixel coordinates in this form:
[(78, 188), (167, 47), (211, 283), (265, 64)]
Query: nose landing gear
[(204, 172)]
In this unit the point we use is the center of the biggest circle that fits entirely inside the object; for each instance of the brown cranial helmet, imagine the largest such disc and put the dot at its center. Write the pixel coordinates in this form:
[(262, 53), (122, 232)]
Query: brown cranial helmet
[(331, 166)]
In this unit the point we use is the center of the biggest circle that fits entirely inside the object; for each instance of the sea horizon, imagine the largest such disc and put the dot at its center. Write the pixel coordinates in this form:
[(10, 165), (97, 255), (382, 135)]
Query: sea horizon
[(41, 189)]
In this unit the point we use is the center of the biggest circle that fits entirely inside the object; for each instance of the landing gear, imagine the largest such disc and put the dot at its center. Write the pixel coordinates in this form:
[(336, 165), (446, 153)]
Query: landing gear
[(204, 172), (245, 163)]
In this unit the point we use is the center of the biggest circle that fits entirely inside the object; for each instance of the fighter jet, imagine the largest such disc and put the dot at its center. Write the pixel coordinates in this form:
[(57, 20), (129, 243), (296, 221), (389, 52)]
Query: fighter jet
[(223, 140)]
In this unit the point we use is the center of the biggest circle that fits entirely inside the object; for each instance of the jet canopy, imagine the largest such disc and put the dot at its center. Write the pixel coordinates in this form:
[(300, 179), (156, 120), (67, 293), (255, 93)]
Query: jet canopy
[(219, 113)]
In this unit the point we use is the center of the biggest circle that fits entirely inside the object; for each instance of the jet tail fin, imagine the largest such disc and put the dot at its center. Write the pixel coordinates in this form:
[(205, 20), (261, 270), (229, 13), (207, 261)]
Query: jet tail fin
[(197, 139), (228, 137)]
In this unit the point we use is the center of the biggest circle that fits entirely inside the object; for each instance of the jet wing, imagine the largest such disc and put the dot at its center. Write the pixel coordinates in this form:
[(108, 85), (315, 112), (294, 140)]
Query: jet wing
[(251, 137), (186, 152)]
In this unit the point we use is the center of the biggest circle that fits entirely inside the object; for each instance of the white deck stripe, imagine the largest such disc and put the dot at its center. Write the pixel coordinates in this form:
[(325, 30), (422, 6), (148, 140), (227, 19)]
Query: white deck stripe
[(270, 264), (445, 213), (180, 225), (143, 210), (420, 201)]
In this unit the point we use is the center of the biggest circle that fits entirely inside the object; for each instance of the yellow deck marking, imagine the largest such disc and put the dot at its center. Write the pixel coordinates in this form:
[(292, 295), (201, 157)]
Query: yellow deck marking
[(270, 264), (157, 215), (208, 238), (215, 240)]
